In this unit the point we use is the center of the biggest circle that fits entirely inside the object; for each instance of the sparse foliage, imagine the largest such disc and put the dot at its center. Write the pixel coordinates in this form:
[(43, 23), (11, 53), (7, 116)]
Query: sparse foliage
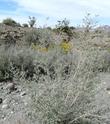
[(89, 23), (32, 21), (63, 27)]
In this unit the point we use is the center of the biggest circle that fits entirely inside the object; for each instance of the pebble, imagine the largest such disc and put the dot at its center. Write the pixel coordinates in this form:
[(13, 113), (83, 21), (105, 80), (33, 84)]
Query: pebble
[(10, 86), (11, 112), (23, 93), (5, 106), (3, 116)]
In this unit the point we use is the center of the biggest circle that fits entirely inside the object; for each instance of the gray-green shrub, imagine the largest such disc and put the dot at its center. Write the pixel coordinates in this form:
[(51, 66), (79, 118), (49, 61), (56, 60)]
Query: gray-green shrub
[(69, 101), (10, 22), (43, 37)]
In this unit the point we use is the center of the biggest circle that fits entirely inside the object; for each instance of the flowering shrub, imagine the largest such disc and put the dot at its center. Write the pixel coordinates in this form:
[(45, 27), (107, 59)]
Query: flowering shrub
[(39, 48), (44, 49), (66, 46)]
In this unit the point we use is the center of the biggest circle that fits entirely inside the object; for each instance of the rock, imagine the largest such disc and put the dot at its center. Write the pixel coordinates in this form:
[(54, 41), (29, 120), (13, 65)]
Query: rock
[(3, 116), (1, 100), (11, 87), (5, 106), (23, 93), (11, 112)]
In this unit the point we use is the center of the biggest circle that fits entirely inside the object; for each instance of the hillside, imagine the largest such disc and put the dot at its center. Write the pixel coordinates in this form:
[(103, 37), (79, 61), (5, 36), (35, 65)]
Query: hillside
[(54, 76)]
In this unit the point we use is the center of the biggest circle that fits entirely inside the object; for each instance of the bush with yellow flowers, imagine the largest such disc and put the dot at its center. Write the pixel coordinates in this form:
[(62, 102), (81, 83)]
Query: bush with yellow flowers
[(66, 46), (39, 48), (34, 47)]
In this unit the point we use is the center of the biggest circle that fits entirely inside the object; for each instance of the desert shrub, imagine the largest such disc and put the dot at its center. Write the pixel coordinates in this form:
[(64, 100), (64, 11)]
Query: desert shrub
[(42, 37), (25, 25), (32, 36), (32, 21), (10, 22), (9, 40), (35, 64), (5, 73), (63, 27), (39, 48), (66, 46), (69, 101), (22, 61), (101, 60), (18, 25), (89, 23), (106, 58), (15, 61)]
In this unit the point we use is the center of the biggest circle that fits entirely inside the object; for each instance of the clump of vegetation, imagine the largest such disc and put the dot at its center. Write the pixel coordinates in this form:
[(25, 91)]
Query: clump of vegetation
[(89, 23), (5, 73), (32, 21), (10, 22), (25, 25), (63, 27), (68, 101), (66, 46), (41, 37)]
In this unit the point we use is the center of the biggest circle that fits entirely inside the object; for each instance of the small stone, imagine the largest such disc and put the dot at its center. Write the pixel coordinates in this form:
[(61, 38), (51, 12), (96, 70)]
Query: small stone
[(11, 87), (5, 106), (11, 112), (23, 93), (1, 100), (3, 116)]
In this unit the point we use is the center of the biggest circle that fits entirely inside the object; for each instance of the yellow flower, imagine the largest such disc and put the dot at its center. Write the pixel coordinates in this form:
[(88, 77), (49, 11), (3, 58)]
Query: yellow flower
[(39, 48), (35, 47), (66, 46), (43, 49)]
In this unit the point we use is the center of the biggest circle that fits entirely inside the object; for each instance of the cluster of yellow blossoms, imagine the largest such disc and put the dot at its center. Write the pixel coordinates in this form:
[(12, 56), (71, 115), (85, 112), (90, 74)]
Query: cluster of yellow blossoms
[(65, 46)]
